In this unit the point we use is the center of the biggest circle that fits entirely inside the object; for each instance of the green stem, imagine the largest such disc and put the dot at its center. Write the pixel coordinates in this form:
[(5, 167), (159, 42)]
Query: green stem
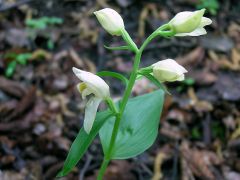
[(102, 169), (113, 138), (129, 41), (112, 106), (136, 66), (127, 93), (108, 154)]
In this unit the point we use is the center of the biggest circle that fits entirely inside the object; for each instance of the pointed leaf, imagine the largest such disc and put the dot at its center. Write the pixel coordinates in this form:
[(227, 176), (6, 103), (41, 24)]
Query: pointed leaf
[(10, 68), (117, 48), (82, 142), (138, 127), (114, 75)]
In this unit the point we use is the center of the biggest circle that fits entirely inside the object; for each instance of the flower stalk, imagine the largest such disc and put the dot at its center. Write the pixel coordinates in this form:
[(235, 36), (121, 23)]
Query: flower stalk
[(96, 90), (127, 93)]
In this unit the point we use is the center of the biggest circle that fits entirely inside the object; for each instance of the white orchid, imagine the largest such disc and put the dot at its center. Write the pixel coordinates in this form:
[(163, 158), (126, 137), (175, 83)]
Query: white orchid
[(91, 85), (168, 70), (190, 23), (110, 20)]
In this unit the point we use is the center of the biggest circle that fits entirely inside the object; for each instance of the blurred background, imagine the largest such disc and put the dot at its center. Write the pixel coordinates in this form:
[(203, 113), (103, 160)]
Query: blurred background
[(41, 111)]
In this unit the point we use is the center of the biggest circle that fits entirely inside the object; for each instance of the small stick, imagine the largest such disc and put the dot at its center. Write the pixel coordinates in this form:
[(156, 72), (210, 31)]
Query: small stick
[(85, 167)]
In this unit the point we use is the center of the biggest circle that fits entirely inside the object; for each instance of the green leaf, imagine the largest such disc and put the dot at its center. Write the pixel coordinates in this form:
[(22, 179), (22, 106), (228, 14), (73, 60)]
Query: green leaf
[(10, 68), (36, 23), (23, 58), (43, 22), (189, 81), (138, 127), (115, 75), (82, 142), (50, 44), (117, 48), (211, 5), (54, 20)]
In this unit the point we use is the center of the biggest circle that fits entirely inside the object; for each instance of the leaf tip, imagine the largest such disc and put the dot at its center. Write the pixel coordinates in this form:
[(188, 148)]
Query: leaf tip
[(60, 174)]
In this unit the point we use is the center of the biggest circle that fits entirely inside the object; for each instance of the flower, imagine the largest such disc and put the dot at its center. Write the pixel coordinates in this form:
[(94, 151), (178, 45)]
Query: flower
[(110, 20), (91, 85), (168, 70), (190, 23)]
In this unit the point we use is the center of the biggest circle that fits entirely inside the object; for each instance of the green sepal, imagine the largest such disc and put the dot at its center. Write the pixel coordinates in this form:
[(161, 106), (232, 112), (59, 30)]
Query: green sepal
[(156, 82)]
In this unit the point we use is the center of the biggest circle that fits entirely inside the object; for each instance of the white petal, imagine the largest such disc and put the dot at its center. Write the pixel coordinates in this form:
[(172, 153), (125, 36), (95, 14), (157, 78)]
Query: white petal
[(182, 34), (170, 65), (181, 78), (181, 17), (90, 113), (87, 76), (110, 20), (197, 32), (95, 84), (186, 22), (205, 21)]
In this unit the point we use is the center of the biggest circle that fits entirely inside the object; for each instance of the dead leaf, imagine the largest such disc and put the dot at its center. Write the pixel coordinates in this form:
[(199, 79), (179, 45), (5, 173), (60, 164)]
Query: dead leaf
[(193, 57), (164, 154), (203, 77), (231, 80), (199, 105), (24, 105), (11, 87), (120, 170), (17, 37), (217, 43), (40, 53), (199, 161)]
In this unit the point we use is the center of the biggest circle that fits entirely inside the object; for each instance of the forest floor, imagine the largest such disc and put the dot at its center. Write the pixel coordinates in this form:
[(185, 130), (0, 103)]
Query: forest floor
[(41, 111)]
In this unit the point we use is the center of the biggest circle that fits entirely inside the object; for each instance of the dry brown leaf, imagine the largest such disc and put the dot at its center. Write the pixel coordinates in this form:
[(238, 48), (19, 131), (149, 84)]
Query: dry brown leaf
[(236, 132), (157, 166), (199, 161), (164, 154), (234, 32), (11, 87), (39, 53), (173, 132), (147, 11), (24, 105), (192, 57), (75, 57), (203, 77), (199, 105), (118, 170), (232, 63)]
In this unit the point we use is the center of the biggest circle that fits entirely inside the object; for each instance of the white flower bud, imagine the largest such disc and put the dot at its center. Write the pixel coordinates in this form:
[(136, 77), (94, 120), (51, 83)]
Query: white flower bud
[(168, 70), (110, 20), (92, 84), (190, 23)]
